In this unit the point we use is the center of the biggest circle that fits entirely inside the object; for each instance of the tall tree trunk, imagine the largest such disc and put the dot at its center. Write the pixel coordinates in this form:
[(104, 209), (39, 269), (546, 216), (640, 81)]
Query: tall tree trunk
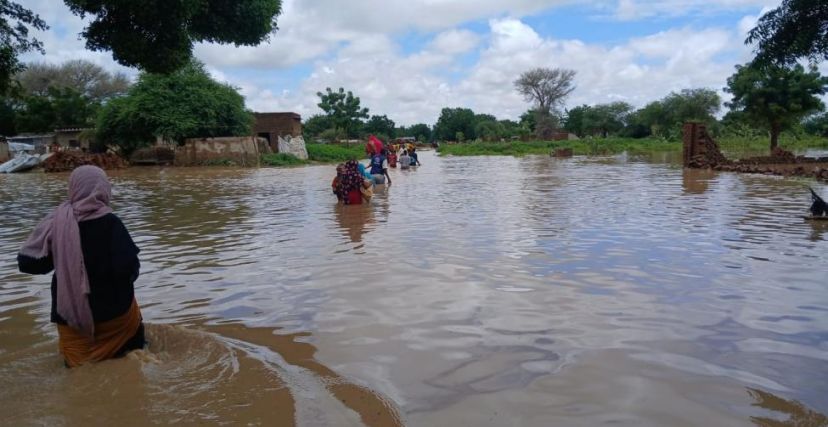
[(775, 131)]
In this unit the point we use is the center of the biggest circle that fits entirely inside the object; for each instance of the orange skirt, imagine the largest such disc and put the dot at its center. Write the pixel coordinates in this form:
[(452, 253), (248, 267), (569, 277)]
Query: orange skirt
[(110, 336)]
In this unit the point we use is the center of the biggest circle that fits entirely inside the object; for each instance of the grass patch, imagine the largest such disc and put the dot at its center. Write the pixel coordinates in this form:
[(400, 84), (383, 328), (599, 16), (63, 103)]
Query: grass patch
[(595, 146), (741, 147), (282, 159), (328, 153), (733, 147)]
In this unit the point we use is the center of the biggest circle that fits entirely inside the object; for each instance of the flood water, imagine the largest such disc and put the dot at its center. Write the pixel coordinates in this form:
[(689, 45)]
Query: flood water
[(480, 291)]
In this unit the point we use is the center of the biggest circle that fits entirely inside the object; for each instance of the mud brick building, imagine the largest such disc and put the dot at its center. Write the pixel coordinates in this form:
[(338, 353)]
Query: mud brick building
[(270, 126)]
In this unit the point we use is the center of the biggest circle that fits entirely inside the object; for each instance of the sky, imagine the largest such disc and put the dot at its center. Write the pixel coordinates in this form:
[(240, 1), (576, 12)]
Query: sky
[(408, 59)]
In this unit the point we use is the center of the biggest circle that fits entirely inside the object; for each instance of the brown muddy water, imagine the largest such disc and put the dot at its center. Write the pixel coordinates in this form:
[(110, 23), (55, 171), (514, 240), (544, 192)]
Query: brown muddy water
[(481, 291)]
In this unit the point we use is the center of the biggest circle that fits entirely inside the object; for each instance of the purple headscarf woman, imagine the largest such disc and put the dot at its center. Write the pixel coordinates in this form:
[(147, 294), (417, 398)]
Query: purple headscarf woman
[(95, 263)]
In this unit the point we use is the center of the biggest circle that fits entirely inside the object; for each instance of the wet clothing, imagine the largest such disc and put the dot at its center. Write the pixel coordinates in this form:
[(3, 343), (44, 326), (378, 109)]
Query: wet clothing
[(348, 182), (379, 179), (405, 161), (379, 164), (111, 260), (414, 160), (113, 338), (392, 159)]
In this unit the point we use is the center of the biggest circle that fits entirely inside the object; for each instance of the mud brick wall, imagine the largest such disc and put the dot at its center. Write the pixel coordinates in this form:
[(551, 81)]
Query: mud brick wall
[(241, 151), (273, 125)]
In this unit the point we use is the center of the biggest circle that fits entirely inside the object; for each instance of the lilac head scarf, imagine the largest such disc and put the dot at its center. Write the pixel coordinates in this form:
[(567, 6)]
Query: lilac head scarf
[(58, 234)]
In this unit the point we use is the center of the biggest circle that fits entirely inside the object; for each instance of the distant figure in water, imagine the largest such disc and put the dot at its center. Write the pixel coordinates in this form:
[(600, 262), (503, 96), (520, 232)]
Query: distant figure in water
[(405, 160), (95, 263), (818, 207), (414, 160), (349, 183)]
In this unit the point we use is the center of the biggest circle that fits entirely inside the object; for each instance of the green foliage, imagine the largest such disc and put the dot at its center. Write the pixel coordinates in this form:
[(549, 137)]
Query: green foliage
[(601, 119), (795, 29), (489, 130), (315, 125), (158, 35), (579, 147), (8, 118), (184, 104), (58, 108), (817, 125), (282, 159), (421, 131), (380, 125), (453, 121), (776, 97), (329, 153), (343, 110), (85, 77), (664, 118), (528, 120), (15, 23)]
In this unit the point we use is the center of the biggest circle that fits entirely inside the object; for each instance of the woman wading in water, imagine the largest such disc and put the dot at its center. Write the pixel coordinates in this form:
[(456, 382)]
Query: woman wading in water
[(95, 263)]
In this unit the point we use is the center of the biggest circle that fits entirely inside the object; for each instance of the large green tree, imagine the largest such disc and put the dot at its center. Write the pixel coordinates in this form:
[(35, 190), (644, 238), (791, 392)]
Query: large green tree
[(453, 121), (795, 29), (57, 108), (187, 103), (665, 117), (776, 97), (380, 126), (85, 77), (343, 109), (817, 125), (421, 131), (158, 35), (15, 24), (315, 125)]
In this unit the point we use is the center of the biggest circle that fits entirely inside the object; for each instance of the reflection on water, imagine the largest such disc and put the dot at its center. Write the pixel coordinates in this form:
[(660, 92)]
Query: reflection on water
[(474, 291)]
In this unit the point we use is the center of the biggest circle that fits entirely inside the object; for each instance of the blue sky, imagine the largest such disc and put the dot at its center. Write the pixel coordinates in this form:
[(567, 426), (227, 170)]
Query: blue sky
[(410, 58)]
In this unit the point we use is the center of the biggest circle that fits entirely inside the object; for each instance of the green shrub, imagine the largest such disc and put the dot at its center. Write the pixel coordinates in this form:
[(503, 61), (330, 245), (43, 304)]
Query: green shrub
[(329, 153), (281, 159)]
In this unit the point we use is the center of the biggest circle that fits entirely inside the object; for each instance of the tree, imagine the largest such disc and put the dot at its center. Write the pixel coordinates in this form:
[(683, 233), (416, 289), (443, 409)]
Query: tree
[(528, 120), (158, 35), (817, 125), (421, 131), (665, 117), (795, 29), (546, 88), (58, 108), (453, 121), (185, 104), (343, 110), (604, 119), (8, 118), (315, 125), (776, 97), (15, 22), (380, 125), (85, 77)]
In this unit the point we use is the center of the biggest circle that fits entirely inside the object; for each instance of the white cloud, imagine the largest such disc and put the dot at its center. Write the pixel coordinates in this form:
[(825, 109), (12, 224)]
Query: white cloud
[(353, 45), (641, 9)]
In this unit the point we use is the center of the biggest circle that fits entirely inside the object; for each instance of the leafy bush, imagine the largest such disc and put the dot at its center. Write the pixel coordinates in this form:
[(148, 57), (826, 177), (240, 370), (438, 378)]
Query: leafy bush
[(282, 159)]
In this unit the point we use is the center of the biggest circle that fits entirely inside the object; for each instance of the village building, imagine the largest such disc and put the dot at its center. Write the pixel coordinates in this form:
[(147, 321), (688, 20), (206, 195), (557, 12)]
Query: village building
[(271, 126)]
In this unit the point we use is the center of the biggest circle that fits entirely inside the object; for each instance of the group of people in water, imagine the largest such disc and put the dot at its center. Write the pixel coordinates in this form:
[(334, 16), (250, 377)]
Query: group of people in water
[(354, 182)]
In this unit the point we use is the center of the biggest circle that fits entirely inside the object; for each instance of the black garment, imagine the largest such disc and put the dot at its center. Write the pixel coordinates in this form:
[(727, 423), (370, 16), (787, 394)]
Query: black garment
[(111, 260)]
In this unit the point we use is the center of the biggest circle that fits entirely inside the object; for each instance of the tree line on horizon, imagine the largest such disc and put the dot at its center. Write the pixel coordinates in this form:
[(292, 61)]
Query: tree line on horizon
[(174, 97)]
